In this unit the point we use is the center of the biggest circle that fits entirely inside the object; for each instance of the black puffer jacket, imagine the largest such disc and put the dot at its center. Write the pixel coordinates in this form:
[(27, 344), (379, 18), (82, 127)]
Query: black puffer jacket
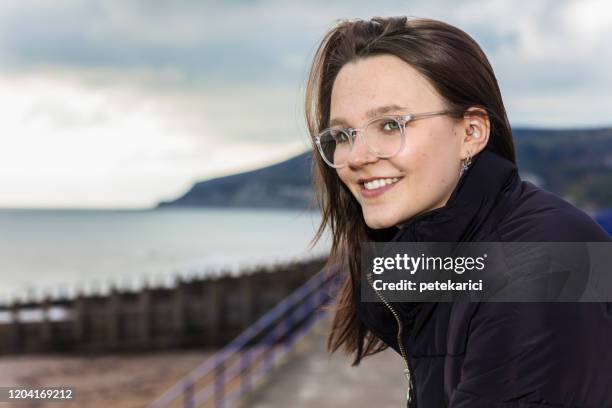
[(501, 355)]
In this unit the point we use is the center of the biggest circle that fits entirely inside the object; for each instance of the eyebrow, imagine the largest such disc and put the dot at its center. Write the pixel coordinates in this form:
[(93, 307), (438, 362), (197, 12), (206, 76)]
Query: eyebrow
[(372, 113)]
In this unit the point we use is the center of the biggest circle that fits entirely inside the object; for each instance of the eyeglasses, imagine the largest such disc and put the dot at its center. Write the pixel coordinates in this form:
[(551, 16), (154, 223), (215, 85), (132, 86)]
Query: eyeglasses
[(384, 136)]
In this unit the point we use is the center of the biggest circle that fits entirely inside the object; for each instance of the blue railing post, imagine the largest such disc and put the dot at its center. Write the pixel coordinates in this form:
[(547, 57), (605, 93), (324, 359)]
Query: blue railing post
[(245, 374), (306, 308), (269, 356), (220, 383), (288, 324), (188, 395)]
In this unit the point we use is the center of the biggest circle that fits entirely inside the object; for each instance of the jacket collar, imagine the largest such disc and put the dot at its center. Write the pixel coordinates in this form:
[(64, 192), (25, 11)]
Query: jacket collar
[(469, 205)]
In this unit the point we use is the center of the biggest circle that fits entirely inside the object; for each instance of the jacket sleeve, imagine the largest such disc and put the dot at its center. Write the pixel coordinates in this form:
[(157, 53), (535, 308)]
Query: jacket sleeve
[(524, 355)]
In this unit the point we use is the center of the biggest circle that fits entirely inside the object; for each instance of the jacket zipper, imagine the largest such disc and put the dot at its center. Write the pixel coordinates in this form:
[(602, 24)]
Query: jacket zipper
[(399, 339)]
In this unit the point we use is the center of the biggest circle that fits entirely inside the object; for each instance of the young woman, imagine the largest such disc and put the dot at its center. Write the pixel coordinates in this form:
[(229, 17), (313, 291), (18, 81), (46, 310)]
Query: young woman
[(413, 144)]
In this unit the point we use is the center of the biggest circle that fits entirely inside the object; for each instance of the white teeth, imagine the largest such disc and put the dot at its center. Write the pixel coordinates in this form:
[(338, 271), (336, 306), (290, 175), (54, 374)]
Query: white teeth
[(378, 183)]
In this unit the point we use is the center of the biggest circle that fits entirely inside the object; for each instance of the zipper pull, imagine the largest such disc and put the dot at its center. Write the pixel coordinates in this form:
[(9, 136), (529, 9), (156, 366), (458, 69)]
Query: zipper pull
[(407, 374)]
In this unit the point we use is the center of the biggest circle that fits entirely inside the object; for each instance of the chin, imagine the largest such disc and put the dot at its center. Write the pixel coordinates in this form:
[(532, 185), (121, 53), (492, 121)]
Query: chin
[(380, 221)]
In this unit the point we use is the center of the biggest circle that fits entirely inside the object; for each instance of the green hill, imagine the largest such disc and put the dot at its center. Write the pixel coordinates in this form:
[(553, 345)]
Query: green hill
[(575, 164)]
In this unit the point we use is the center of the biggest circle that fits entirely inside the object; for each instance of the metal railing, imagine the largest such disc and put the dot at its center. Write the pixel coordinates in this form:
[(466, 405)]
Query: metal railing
[(233, 371)]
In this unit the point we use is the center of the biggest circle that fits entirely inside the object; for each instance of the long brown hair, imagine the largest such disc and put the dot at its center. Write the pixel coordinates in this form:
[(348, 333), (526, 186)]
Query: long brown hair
[(461, 74)]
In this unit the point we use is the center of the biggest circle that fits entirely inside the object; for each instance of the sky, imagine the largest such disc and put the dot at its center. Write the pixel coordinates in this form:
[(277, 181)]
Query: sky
[(122, 104)]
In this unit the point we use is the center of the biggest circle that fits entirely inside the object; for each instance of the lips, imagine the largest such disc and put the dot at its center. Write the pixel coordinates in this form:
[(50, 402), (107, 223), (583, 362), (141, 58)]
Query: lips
[(373, 187), (378, 183)]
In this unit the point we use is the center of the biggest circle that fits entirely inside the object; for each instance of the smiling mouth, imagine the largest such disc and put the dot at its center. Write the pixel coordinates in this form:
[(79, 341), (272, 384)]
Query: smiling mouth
[(378, 183), (377, 187)]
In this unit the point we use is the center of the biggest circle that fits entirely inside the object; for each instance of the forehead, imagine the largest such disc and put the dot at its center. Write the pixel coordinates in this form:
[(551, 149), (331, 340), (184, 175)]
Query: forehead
[(373, 82)]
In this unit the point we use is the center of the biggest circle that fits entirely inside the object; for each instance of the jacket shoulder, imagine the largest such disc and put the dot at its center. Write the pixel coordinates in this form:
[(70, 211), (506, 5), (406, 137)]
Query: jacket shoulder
[(539, 215), (513, 354)]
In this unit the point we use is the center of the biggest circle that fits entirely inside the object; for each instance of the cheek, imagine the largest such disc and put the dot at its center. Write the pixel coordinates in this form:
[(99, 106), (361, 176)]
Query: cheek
[(442, 141), (430, 159), (418, 156), (344, 176), (442, 162)]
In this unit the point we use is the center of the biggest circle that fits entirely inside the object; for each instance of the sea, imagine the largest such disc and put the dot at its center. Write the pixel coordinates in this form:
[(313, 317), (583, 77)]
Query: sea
[(64, 252)]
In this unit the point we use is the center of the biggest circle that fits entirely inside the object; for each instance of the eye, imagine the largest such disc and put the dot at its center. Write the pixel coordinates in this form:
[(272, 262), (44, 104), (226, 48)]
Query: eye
[(340, 136), (390, 125)]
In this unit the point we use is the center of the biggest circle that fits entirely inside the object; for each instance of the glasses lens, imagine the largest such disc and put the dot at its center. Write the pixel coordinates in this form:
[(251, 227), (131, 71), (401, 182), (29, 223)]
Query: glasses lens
[(335, 146), (384, 136)]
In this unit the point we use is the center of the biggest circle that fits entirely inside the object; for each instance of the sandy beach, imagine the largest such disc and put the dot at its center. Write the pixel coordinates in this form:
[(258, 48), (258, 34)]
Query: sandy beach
[(118, 381)]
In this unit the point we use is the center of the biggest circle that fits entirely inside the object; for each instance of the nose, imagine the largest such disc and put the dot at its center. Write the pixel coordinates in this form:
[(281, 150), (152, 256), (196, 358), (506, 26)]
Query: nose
[(360, 153)]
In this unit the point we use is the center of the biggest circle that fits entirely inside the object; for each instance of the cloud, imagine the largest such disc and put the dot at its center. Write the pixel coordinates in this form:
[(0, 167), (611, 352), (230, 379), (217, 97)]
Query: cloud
[(271, 42), (63, 143), (200, 40), (175, 91)]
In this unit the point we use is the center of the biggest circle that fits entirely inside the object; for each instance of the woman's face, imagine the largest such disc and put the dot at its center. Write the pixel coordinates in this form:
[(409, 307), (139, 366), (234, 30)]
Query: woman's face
[(426, 170)]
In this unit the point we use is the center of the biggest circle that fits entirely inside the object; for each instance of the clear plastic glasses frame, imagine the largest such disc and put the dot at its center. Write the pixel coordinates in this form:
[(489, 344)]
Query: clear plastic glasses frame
[(328, 139)]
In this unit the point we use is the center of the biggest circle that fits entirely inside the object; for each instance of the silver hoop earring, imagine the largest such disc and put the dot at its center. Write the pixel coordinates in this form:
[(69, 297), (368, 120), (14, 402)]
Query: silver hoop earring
[(466, 164)]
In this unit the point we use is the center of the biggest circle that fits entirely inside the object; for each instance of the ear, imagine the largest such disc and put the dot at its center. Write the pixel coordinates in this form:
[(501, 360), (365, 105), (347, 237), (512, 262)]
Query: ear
[(475, 131)]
